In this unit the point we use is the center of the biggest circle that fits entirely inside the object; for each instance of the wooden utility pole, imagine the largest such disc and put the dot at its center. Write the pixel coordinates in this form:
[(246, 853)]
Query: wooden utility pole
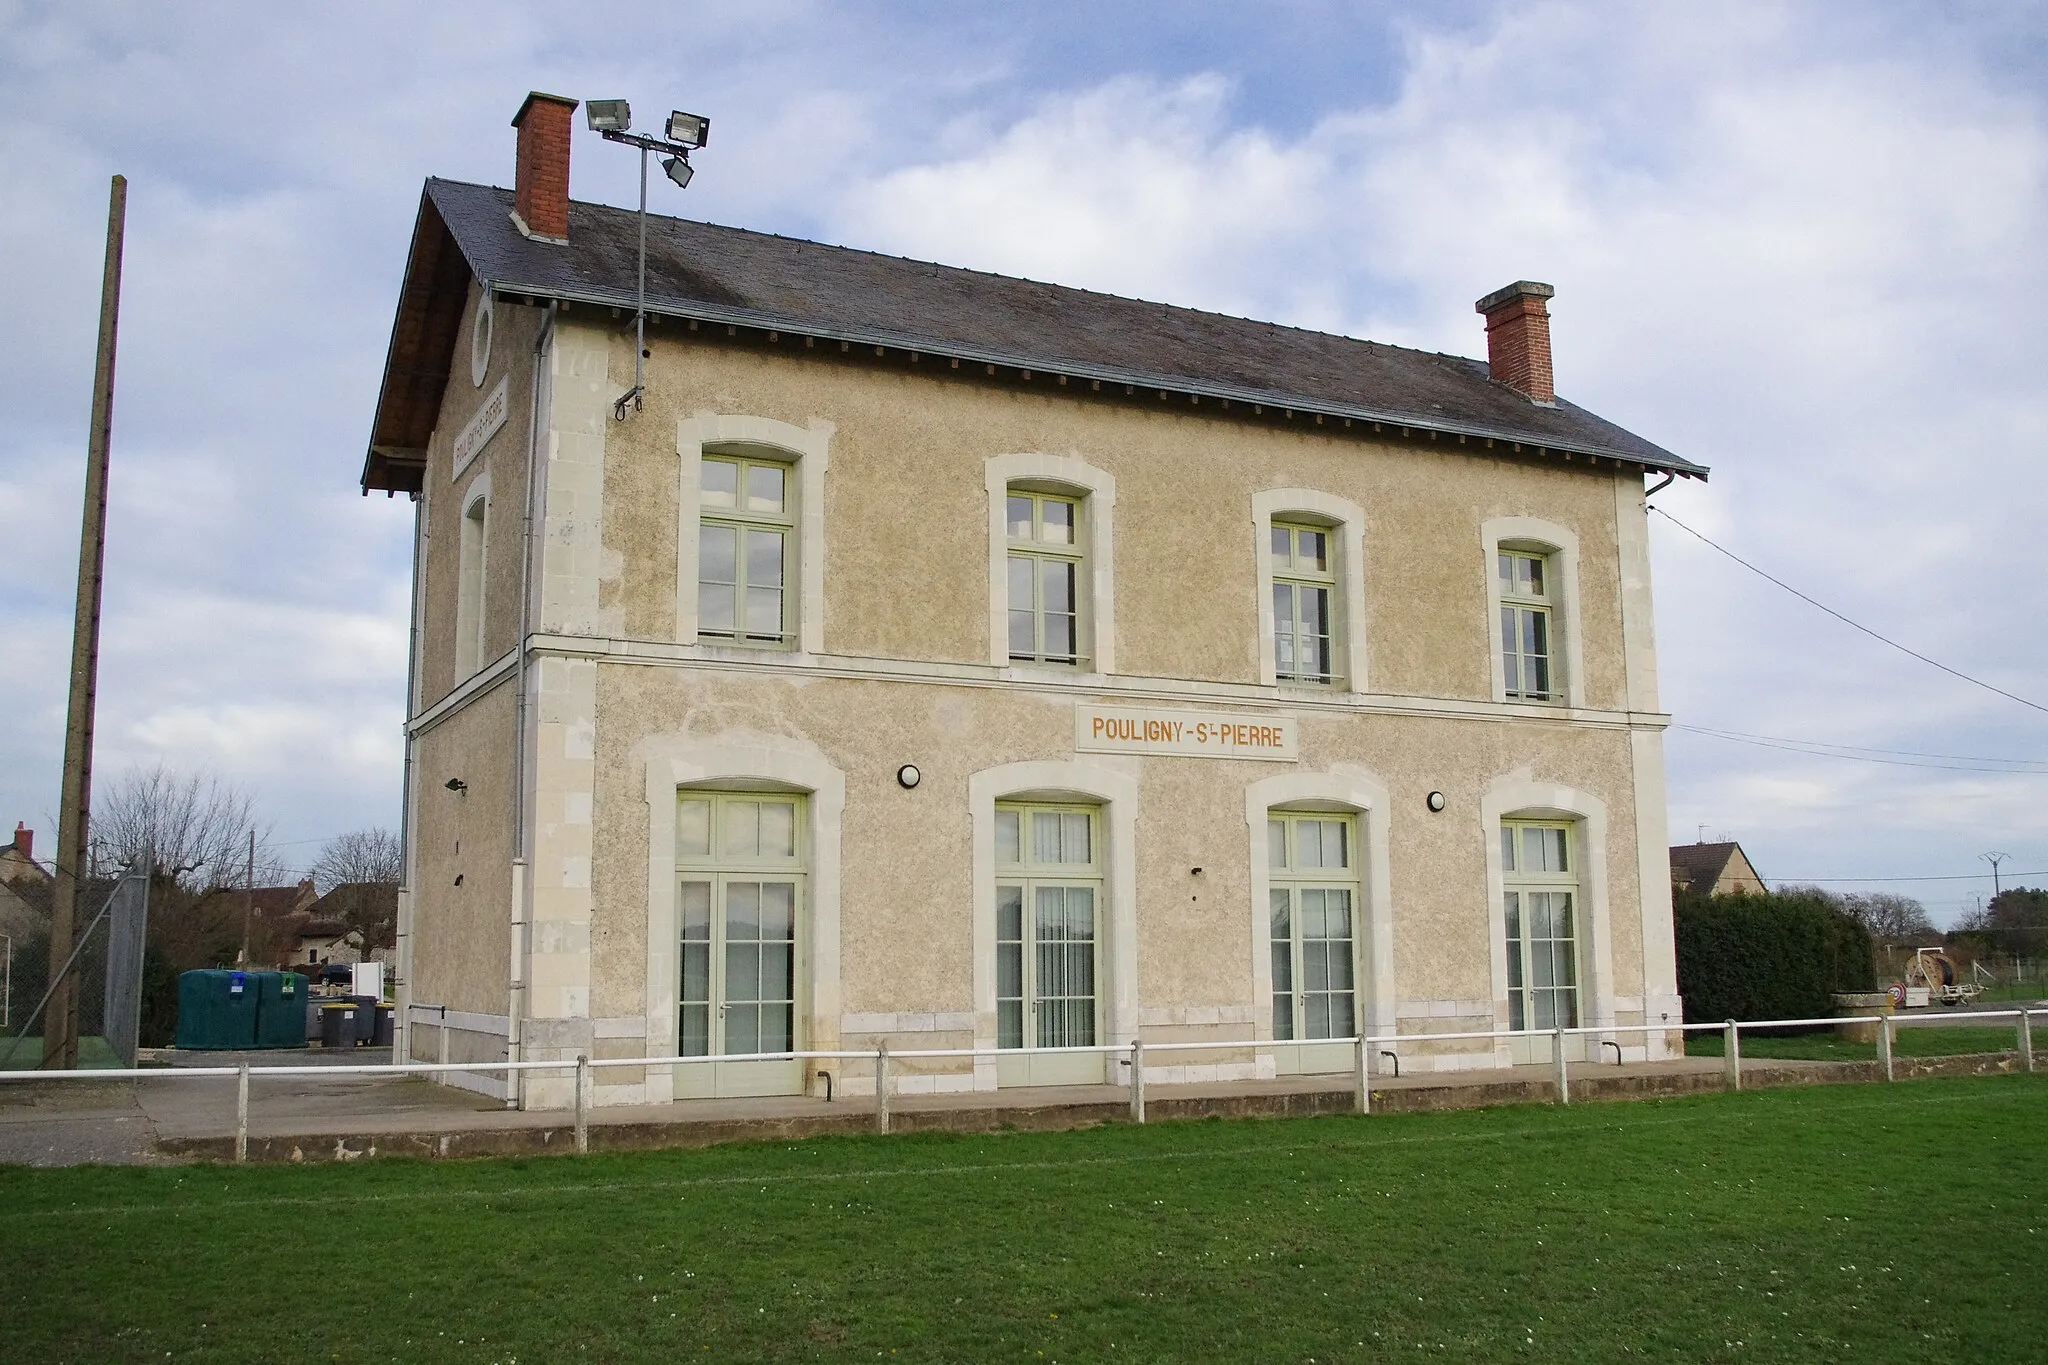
[(60, 1028), (248, 900)]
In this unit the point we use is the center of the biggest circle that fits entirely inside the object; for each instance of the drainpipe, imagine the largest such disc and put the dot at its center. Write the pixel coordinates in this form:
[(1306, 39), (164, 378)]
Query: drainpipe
[(402, 1031), (521, 854)]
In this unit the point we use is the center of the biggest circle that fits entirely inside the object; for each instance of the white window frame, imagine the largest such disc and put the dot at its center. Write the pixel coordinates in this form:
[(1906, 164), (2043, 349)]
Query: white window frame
[(1560, 546), (1349, 790), (1115, 792), (808, 450), (472, 584), (1520, 797), (1029, 873), (1524, 882), (741, 520), (1345, 521), (1095, 489), (1294, 877)]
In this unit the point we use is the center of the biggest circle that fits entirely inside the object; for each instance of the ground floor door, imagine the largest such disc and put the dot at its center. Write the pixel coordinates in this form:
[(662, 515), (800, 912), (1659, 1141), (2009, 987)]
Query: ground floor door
[(1313, 932), (1539, 921), (1048, 944), (740, 917)]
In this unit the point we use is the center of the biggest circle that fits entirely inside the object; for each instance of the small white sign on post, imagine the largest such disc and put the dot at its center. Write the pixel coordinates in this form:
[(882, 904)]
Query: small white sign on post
[(476, 433), (1188, 734)]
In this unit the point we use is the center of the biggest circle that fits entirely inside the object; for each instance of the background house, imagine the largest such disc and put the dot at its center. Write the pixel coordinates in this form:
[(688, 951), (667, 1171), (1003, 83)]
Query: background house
[(1713, 870)]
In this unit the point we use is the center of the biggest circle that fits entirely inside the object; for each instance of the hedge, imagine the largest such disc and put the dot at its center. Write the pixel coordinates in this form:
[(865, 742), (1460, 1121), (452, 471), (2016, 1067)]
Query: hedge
[(1779, 955)]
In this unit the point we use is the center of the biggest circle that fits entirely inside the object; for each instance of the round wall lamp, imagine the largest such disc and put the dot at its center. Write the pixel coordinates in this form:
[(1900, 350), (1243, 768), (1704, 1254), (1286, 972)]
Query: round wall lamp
[(908, 776), (1435, 801)]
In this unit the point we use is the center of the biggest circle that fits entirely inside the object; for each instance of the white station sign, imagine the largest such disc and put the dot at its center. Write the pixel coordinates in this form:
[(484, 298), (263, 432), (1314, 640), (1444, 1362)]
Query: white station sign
[(478, 430)]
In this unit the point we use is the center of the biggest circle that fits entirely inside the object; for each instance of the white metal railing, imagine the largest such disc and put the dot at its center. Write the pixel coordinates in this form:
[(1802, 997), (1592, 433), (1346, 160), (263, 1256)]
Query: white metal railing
[(1363, 1048)]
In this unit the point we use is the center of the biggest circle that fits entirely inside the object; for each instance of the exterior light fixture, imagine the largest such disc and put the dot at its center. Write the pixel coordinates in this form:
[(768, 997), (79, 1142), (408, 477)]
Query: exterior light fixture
[(1435, 801), (908, 776), (688, 130), (685, 132), (456, 784), (608, 116)]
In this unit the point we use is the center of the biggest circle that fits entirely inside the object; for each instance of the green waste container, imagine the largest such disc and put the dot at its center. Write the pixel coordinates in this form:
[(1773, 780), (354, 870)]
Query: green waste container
[(280, 1009), (217, 1010)]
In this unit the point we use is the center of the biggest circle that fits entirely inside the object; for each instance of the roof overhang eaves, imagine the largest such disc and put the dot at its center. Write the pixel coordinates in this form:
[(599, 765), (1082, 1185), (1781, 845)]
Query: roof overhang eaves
[(694, 310)]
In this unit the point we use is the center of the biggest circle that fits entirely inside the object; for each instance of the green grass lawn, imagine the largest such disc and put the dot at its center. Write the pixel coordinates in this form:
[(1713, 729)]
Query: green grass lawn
[(1778, 1225), (1908, 1041)]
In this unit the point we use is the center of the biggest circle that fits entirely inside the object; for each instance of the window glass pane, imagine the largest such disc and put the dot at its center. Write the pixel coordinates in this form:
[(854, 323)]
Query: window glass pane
[(1045, 836), (1056, 582), (1074, 837), (1337, 913), (1507, 848), (719, 483), (1283, 547), (1023, 604), (1313, 549), (1010, 913), (764, 559), (1564, 915), (1056, 522), (1336, 843), (693, 909), (778, 829), (1281, 902), (742, 916), (1010, 1022), (1276, 843), (1020, 518), (717, 553), (764, 488), (1507, 573), (742, 829), (693, 828), (1512, 903), (764, 613), (1532, 576), (1009, 847), (778, 911), (1315, 955)]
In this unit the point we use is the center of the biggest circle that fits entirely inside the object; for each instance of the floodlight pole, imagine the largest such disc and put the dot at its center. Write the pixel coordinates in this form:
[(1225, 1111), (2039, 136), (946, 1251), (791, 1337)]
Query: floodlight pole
[(634, 396)]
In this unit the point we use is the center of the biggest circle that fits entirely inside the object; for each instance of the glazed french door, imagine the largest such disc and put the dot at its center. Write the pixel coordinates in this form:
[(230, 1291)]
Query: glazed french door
[(1048, 943), (739, 919), (1539, 905), (1312, 863)]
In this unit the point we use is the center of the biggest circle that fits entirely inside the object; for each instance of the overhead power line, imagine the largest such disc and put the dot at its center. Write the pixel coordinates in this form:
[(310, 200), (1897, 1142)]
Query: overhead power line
[(1882, 639), (1945, 877), (2011, 767)]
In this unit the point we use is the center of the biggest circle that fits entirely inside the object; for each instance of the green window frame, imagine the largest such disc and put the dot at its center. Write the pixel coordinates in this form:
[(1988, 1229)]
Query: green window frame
[(1539, 910), (1048, 581), (740, 912), (1313, 897), (1304, 603), (746, 550), (1528, 648), (1049, 918)]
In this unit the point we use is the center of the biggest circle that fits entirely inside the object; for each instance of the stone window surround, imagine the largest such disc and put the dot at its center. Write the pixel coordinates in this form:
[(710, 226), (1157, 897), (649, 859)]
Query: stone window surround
[(763, 764), (1071, 782), (1096, 488), (1562, 546), (469, 662), (1353, 791), (1518, 796), (809, 448), (1348, 524)]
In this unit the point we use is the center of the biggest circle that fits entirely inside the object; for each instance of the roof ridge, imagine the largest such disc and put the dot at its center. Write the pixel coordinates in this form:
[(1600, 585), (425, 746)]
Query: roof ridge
[(996, 275)]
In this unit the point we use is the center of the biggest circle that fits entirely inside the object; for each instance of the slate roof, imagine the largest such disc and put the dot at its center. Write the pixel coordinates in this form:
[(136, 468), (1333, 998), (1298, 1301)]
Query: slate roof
[(757, 280), (1699, 867)]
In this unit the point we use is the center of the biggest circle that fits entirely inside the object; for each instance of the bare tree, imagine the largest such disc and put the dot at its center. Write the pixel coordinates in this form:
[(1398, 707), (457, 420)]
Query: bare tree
[(193, 827), (1890, 919), (363, 855)]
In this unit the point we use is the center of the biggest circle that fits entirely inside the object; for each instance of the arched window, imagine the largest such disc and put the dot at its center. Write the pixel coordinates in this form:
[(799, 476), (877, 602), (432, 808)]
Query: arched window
[(1051, 584), (1532, 598), (750, 532), (469, 580), (1310, 549)]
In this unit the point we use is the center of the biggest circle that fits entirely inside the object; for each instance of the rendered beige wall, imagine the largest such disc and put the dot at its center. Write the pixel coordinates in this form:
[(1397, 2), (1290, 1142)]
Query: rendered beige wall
[(461, 934), (907, 515)]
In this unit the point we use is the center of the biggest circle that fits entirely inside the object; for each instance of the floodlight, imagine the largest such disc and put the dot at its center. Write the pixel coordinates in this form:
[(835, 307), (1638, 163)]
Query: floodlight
[(688, 130), (609, 116), (678, 170)]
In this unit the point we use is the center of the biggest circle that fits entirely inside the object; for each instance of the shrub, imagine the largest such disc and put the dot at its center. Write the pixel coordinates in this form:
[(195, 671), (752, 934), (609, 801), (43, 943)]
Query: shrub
[(1779, 955)]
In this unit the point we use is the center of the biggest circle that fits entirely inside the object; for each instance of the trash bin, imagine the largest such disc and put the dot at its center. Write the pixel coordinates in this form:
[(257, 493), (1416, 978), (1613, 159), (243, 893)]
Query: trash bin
[(280, 1009), (387, 1027), (216, 1010), (338, 1024)]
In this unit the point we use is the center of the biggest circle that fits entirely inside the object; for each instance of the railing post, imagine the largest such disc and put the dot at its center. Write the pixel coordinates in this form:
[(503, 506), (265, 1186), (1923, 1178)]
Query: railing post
[(1884, 1045), (1731, 1054), (1137, 1080), (1361, 1077), (444, 1040), (882, 1088), (242, 1113), (582, 1104), (2026, 1031), (1564, 1086)]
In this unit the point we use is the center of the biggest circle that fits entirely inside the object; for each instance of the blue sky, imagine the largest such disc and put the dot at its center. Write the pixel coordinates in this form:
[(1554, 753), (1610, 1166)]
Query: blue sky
[(1797, 242)]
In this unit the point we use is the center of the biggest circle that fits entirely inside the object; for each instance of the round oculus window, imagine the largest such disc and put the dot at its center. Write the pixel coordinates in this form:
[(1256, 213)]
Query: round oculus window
[(480, 336)]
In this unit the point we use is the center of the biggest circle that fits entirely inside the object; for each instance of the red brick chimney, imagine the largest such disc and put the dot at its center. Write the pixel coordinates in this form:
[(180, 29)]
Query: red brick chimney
[(540, 194), (1518, 339), (24, 839)]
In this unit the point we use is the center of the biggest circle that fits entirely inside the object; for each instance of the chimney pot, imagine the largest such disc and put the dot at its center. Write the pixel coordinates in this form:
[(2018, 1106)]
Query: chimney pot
[(1518, 339), (540, 191)]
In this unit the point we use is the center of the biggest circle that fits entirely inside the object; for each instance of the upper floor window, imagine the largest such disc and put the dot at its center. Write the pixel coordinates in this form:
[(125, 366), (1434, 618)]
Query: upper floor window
[(1304, 599), (745, 548), (469, 587), (1526, 625), (1047, 568)]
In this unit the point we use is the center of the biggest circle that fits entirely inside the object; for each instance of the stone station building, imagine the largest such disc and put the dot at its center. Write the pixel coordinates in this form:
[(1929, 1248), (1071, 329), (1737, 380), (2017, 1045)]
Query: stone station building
[(942, 659)]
